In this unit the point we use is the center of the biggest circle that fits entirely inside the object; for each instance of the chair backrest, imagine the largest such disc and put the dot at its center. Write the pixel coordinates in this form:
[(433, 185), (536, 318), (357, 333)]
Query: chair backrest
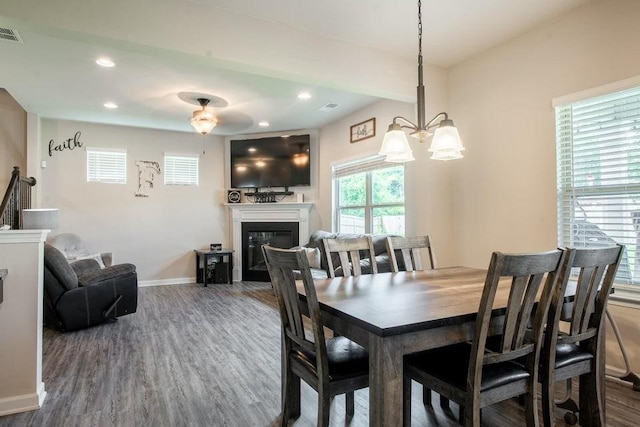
[(524, 274), (408, 249), (348, 251), (70, 244), (59, 276), (592, 271), (281, 264)]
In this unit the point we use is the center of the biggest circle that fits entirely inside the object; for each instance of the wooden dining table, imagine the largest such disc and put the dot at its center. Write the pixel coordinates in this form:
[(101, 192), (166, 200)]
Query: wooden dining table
[(394, 314)]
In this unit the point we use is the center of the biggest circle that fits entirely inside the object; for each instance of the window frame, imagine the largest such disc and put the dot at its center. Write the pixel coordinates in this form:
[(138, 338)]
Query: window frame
[(169, 178), (97, 156), (367, 165), (568, 190)]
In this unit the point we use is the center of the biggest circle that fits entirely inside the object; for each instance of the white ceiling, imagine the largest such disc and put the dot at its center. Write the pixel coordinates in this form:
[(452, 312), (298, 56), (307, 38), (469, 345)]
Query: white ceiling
[(255, 54)]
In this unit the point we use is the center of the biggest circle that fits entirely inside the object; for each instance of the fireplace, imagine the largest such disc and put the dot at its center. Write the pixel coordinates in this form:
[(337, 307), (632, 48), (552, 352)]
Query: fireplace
[(273, 214), (254, 235)]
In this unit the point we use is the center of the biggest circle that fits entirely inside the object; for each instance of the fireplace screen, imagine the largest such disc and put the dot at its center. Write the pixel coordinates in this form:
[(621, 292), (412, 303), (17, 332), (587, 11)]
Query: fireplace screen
[(256, 234)]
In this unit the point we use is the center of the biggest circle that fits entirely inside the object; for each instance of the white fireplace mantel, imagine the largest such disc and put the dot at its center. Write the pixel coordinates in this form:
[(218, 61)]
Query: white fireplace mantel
[(264, 212)]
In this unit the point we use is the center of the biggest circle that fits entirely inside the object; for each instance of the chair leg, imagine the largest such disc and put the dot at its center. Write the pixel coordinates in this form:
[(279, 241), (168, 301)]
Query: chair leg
[(591, 401), (349, 404), (290, 397), (406, 401), (324, 407), (444, 402), (548, 405), (531, 408), (426, 396), (471, 415)]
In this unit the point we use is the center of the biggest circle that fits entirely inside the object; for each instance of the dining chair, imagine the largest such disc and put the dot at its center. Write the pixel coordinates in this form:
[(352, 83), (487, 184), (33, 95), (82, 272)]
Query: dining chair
[(575, 349), (493, 368), (330, 366), (408, 249), (347, 252)]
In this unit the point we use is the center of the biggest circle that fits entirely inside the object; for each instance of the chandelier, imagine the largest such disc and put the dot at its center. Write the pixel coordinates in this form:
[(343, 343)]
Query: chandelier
[(446, 143)]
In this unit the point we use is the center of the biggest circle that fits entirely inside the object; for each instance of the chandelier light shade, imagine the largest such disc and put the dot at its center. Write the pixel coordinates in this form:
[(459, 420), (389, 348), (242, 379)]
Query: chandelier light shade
[(203, 120), (396, 146), (446, 143)]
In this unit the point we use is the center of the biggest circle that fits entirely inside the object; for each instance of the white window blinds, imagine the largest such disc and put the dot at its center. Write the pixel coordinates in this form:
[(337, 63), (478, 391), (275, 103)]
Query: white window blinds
[(361, 165), (181, 169), (106, 165), (598, 159)]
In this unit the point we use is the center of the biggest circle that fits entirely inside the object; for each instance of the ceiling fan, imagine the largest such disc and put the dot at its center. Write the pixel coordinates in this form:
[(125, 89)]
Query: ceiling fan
[(208, 116)]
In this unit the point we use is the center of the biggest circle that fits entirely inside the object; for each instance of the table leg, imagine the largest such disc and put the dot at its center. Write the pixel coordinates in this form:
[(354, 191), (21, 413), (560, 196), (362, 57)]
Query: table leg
[(385, 381)]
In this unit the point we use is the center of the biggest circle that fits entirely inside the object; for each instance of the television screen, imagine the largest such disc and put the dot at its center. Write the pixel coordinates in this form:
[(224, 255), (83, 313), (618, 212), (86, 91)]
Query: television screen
[(279, 161)]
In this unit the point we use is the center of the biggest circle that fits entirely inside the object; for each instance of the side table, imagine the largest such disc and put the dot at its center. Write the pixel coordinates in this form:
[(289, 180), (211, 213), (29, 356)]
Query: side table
[(211, 266)]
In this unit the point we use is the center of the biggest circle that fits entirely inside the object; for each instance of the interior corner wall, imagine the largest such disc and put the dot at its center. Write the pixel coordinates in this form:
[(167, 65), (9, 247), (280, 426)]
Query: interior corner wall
[(504, 192), (505, 189), (157, 233), (427, 182), (13, 138)]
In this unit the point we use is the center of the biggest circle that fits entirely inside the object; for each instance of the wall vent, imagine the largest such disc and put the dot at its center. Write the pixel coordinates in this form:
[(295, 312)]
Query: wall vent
[(329, 107), (9, 35)]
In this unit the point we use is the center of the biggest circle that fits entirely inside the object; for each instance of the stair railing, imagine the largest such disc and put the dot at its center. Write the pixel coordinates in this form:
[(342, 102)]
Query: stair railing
[(16, 198)]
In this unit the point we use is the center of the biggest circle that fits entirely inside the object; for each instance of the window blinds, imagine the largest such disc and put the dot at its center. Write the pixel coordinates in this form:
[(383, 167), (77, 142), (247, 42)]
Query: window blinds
[(181, 169), (598, 159), (106, 165), (361, 165)]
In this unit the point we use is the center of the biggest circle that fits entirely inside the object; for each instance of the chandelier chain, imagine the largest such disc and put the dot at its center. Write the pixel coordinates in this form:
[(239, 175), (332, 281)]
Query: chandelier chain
[(419, 29)]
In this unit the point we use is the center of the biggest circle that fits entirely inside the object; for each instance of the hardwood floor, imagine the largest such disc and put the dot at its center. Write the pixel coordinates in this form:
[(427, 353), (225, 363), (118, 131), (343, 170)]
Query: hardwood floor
[(194, 356)]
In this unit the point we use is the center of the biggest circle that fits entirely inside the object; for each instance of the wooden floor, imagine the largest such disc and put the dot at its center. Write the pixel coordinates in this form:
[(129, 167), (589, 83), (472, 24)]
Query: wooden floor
[(194, 356)]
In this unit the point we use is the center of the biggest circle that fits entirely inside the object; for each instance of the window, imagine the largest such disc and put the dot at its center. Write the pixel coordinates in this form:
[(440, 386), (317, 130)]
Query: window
[(107, 165), (181, 169), (369, 196), (598, 159)]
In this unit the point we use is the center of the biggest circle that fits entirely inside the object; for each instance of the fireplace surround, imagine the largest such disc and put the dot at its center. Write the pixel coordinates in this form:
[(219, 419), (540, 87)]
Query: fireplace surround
[(272, 213)]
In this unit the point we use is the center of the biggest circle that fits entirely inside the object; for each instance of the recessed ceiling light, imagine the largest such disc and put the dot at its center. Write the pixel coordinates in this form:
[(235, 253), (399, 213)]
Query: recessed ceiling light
[(304, 95), (263, 124), (110, 105), (105, 62), (251, 150)]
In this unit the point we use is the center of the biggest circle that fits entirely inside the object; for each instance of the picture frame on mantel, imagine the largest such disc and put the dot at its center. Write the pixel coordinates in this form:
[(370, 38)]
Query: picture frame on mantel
[(363, 130)]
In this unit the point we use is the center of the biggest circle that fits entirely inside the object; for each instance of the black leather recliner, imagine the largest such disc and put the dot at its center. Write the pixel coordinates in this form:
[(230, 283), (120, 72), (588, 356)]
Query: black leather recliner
[(82, 294)]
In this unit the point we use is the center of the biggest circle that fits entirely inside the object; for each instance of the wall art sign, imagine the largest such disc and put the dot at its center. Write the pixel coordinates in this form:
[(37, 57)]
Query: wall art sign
[(68, 144), (363, 130), (147, 171)]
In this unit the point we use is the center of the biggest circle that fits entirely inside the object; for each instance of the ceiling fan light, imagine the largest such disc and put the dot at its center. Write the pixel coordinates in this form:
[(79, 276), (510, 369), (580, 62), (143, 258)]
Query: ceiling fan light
[(203, 121)]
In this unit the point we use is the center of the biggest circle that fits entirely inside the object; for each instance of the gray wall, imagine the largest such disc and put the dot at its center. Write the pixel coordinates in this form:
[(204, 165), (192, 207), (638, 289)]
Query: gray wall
[(157, 233)]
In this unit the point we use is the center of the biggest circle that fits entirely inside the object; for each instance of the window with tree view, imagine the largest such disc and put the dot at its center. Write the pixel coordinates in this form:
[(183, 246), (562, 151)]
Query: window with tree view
[(369, 196), (598, 156)]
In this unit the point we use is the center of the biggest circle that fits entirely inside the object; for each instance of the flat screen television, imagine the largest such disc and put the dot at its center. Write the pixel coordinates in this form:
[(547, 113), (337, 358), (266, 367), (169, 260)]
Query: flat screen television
[(277, 161)]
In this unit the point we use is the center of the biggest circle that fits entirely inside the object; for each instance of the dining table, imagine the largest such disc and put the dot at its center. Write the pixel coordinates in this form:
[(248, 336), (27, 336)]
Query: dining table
[(395, 314)]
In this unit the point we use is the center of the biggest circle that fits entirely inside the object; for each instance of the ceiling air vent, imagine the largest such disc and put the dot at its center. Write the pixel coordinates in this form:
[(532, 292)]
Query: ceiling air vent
[(328, 107), (9, 35)]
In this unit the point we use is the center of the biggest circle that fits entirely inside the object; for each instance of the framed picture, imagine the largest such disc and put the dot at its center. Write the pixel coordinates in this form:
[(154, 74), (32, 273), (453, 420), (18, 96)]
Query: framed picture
[(363, 130)]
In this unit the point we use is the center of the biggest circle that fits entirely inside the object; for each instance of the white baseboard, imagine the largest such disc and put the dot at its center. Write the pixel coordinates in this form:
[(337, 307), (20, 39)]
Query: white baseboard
[(176, 281), (23, 403)]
